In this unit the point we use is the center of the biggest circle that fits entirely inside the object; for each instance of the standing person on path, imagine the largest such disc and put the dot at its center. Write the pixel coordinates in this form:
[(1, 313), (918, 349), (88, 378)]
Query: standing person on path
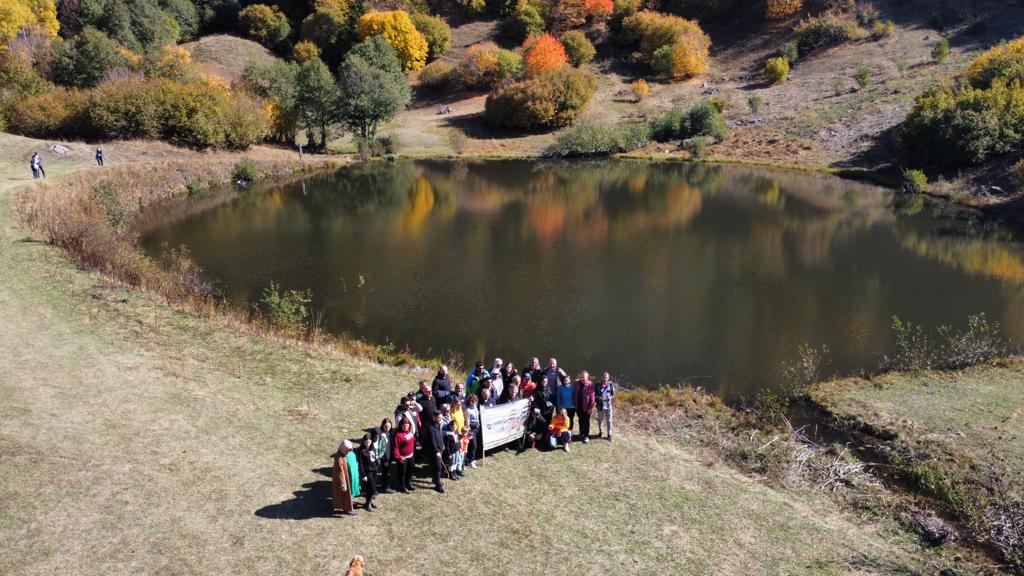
[(472, 410), (99, 156), (565, 398), (605, 394), (34, 164), (585, 393), (368, 466), (341, 481), (404, 453), (436, 456), (385, 454), (560, 430), (442, 385)]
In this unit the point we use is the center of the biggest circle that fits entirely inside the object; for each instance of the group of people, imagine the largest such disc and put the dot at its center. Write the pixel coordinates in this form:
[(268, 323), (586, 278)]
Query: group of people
[(440, 425), (36, 163)]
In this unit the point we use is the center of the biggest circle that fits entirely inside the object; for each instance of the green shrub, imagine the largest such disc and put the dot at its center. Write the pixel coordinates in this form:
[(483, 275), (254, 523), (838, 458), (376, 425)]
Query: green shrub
[(246, 171), (590, 139), (703, 119), (883, 28), (485, 65), (83, 60), (914, 181), (823, 31), (941, 50), (776, 70), (578, 48), (755, 102), (287, 310), (790, 52), (58, 112), (473, 7), (510, 65), (436, 31), (838, 87), (524, 22), (863, 76), (548, 101), (698, 148), (437, 74)]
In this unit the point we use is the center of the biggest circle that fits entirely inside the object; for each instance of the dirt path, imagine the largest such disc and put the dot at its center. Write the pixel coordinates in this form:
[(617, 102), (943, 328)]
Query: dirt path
[(138, 440)]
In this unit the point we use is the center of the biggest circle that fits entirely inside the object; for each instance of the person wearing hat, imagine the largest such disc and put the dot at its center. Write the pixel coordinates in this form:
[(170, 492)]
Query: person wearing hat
[(341, 480)]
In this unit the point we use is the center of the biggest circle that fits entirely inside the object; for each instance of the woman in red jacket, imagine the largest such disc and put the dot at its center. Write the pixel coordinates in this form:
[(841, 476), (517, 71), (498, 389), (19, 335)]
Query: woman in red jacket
[(405, 447), (585, 399)]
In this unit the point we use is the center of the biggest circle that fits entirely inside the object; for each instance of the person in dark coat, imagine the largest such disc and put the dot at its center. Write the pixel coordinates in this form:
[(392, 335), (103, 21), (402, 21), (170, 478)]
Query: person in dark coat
[(442, 386), (368, 465), (436, 454), (542, 399), (585, 393), (428, 406), (536, 430), (99, 156)]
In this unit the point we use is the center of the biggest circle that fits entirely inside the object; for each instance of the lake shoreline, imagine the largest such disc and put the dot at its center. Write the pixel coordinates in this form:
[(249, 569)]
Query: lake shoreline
[(139, 300)]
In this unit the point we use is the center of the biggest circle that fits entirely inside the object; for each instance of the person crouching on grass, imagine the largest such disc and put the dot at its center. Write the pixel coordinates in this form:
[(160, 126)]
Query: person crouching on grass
[(558, 430)]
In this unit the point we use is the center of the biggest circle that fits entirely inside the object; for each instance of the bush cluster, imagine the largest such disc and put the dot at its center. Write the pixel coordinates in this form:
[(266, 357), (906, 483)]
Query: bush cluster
[(551, 100), (590, 139), (782, 9), (485, 65), (525, 21), (823, 31), (703, 119), (578, 47), (671, 45), (200, 114), (776, 70), (436, 32), (438, 74), (974, 116), (264, 24)]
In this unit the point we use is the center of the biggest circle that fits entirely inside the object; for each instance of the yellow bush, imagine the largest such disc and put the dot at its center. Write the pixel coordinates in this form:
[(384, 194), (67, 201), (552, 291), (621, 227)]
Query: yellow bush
[(640, 89), (671, 45), (397, 28), (16, 15), (1003, 61), (776, 70), (304, 51), (782, 9), (174, 62)]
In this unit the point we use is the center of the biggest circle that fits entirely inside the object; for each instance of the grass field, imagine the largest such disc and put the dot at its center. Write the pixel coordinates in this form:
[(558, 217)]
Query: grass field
[(137, 439)]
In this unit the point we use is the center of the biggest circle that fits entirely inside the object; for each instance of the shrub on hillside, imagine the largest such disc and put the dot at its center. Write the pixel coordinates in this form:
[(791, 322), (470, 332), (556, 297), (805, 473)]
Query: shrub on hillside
[(548, 101), (18, 78), (435, 31), (578, 48), (823, 31), (55, 112), (590, 139), (264, 24), (790, 52), (941, 50), (883, 29), (328, 27), (304, 51), (1002, 62), (139, 25), (437, 74), (524, 22), (83, 60), (485, 65), (671, 45), (914, 181), (397, 28), (541, 54), (473, 7), (782, 9), (863, 76), (776, 70), (703, 119), (640, 89)]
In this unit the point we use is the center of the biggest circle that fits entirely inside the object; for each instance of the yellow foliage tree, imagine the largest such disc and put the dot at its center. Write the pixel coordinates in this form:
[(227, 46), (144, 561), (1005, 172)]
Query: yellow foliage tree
[(16, 15), (782, 9), (1004, 61), (397, 28), (304, 51), (672, 45)]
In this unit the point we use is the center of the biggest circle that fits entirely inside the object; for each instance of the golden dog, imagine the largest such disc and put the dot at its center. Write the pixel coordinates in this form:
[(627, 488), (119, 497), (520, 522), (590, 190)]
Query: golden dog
[(355, 567)]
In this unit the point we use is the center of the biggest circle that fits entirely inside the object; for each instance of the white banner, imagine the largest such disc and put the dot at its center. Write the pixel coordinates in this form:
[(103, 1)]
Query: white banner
[(504, 423)]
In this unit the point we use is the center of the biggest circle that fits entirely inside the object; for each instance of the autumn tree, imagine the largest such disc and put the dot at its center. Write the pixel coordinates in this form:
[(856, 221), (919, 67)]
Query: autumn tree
[(304, 51), (579, 49), (264, 24), (436, 32), (782, 9), (331, 27), (673, 46), (16, 15), (397, 28), (543, 53)]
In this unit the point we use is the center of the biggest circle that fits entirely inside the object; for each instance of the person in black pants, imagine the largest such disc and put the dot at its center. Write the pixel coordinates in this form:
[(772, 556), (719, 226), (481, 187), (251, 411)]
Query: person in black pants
[(436, 447), (442, 385), (367, 456), (385, 452)]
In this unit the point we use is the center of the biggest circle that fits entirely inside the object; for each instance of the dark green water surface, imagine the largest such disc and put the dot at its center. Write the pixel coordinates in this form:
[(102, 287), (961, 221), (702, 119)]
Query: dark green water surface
[(658, 273)]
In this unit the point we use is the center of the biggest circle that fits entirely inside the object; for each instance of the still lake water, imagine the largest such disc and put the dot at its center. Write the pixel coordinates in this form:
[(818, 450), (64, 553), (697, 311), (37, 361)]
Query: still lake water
[(656, 272)]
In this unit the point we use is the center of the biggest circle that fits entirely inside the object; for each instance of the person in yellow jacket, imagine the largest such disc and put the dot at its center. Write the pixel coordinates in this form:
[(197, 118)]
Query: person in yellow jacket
[(558, 430), (458, 415)]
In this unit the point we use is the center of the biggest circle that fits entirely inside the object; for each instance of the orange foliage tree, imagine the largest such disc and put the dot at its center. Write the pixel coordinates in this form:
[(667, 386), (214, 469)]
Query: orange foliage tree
[(397, 28), (543, 53), (599, 9)]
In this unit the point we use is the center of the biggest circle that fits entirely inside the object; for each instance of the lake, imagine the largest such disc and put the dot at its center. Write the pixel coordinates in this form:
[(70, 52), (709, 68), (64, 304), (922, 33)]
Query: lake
[(660, 273)]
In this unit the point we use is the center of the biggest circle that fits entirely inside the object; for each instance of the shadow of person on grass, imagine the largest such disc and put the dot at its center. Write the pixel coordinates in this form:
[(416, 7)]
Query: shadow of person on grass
[(313, 501)]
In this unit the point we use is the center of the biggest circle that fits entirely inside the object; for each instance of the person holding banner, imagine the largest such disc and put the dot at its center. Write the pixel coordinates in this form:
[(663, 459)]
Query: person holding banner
[(585, 399), (558, 430), (472, 411)]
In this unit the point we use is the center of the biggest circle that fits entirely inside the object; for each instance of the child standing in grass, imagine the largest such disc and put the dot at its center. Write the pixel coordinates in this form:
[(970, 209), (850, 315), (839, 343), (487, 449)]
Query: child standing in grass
[(459, 464)]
